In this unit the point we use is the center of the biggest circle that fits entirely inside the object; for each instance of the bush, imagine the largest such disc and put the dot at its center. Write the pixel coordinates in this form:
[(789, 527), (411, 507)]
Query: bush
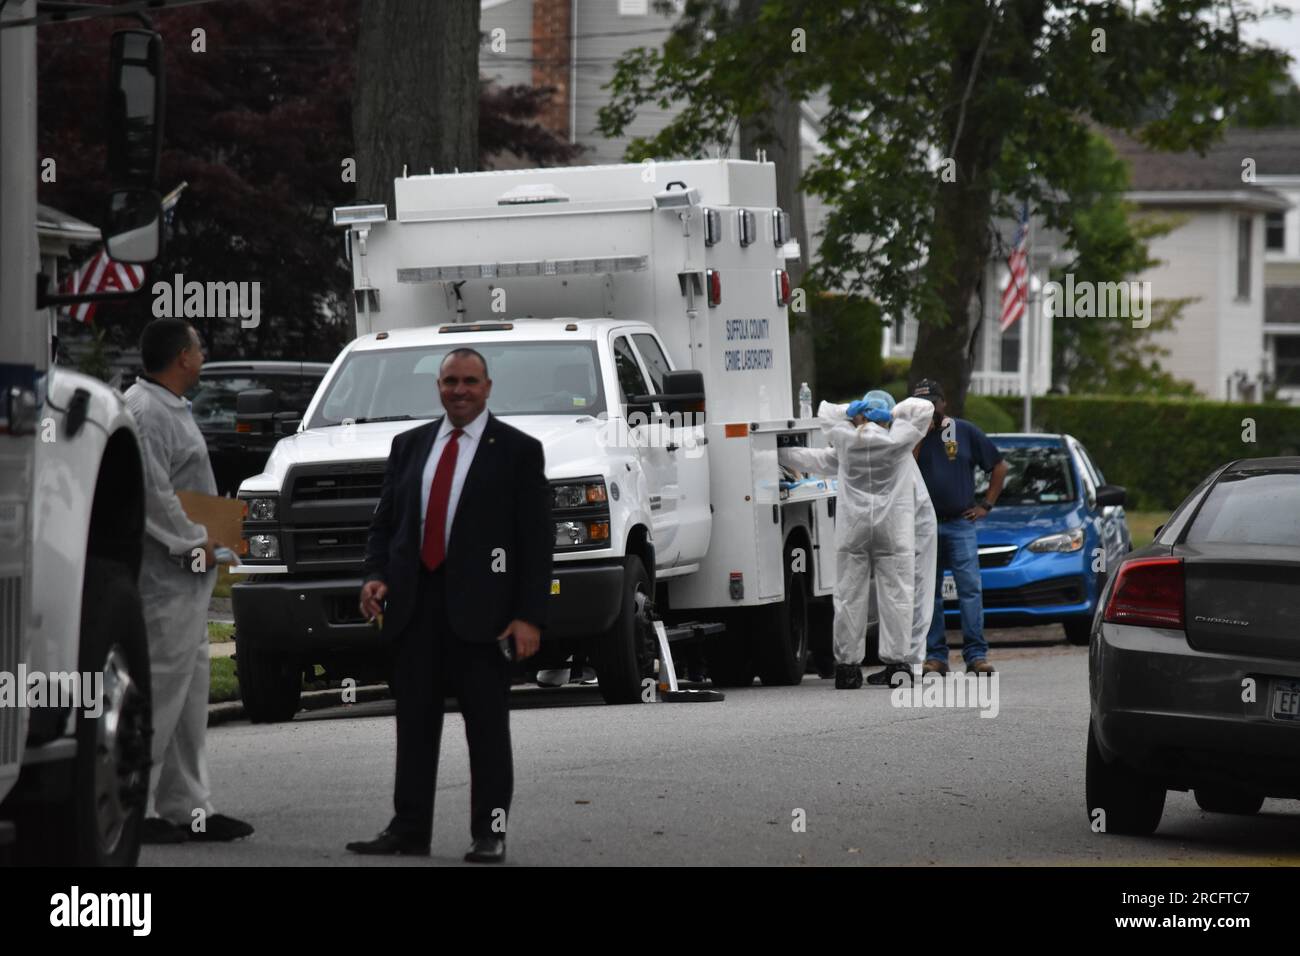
[(1161, 448), (988, 416)]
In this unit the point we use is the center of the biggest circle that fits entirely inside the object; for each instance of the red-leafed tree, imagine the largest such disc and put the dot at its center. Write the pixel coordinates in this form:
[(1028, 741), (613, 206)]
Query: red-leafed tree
[(259, 123)]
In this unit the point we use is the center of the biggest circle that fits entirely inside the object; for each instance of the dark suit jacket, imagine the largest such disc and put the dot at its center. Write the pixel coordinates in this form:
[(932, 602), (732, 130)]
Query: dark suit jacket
[(505, 505)]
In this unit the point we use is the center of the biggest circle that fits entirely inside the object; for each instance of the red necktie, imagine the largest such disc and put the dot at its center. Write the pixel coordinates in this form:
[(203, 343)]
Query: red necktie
[(435, 519)]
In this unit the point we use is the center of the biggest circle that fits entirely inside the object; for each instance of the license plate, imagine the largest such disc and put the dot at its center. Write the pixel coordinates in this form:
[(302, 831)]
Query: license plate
[(949, 588), (1286, 700), (555, 585)]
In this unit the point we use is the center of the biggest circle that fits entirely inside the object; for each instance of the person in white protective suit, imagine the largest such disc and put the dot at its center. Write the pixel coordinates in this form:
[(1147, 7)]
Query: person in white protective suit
[(869, 451), (177, 573)]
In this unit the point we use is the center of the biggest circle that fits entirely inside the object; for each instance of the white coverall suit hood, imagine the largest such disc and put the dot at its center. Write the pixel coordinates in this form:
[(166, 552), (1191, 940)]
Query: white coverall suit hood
[(175, 598), (881, 500)]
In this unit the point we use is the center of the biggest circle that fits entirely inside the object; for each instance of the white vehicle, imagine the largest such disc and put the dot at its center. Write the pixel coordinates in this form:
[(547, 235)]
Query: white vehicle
[(71, 496), (633, 318)]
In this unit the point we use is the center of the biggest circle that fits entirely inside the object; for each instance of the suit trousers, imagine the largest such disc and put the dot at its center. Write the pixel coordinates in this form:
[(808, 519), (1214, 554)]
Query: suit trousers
[(431, 664)]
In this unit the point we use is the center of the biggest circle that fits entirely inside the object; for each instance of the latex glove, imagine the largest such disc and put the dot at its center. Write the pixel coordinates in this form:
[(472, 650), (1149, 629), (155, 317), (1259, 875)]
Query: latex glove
[(880, 416)]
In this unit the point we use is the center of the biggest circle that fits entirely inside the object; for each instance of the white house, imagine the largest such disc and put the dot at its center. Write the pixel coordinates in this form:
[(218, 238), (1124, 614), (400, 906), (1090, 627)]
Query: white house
[(1217, 254)]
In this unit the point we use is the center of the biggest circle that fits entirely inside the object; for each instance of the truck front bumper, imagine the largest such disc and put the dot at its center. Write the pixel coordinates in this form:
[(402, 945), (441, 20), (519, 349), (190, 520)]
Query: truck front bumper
[(322, 615)]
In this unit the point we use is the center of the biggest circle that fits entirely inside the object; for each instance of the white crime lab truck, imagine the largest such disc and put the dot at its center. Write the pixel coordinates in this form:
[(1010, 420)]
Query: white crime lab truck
[(633, 319), (74, 662)]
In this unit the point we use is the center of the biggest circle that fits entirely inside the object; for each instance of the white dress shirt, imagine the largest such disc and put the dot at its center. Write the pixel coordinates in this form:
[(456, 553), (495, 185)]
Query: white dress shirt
[(465, 450)]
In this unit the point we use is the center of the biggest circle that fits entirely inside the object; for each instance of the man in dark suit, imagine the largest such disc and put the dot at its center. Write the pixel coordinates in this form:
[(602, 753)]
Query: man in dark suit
[(460, 549)]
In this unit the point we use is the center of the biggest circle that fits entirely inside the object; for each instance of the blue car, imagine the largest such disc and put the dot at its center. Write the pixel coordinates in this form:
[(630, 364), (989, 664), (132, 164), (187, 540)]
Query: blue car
[(1046, 548)]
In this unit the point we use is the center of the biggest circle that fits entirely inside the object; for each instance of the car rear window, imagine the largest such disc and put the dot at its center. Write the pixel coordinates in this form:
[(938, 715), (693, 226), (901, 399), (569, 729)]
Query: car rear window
[(1036, 475), (1250, 507)]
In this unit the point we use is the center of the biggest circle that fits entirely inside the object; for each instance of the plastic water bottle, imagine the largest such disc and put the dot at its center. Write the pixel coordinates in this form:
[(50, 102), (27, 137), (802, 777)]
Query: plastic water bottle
[(805, 401)]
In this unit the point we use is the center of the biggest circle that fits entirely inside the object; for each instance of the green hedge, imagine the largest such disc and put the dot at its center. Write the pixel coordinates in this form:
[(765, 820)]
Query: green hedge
[(1160, 448)]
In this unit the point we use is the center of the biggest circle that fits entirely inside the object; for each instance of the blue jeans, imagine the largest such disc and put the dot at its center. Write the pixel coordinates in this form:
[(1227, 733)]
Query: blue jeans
[(958, 550)]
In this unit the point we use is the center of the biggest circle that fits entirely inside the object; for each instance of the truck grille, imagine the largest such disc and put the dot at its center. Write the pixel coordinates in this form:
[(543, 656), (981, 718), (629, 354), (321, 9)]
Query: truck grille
[(11, 590), (326, 519)]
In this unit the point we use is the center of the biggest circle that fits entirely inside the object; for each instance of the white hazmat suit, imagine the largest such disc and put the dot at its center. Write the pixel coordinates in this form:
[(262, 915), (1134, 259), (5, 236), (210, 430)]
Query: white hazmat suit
[(883, 514), (175, 598)]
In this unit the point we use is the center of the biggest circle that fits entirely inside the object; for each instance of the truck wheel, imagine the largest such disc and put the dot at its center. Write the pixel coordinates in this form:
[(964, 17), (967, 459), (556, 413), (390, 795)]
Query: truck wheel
[(1078, 631), (270, 684), (97, 823), (1132, 804), (625, 654), (782, 632), (1214, 800)]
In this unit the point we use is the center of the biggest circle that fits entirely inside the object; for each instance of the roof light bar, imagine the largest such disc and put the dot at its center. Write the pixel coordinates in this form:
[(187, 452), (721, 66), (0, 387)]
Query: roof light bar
[(535, 267)]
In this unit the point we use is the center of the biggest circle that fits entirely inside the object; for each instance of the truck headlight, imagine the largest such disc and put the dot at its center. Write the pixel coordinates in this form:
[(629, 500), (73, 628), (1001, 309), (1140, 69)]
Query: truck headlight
[(573, 534), (579, 494), (261, 509), (264, 546), (1065, 542)]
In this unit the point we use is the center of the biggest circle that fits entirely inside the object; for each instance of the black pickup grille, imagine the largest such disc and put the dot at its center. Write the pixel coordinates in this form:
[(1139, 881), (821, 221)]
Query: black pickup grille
[(326, 519)]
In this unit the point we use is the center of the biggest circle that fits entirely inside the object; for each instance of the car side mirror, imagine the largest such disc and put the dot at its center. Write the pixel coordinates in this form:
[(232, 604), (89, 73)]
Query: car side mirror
[(1111, 495)]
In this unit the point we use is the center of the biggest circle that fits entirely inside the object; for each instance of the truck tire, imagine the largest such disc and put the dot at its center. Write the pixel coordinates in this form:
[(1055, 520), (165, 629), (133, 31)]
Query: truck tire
[(1132, 804), (270, 684), (625, 654), (1215, 800), (782, 631), (97, 823)]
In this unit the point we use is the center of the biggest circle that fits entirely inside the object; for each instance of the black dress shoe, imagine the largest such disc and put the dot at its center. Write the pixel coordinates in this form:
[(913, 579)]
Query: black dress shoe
[(487, 850), (885, 678), (390, 844), (156, 830), (220, 828), (848, 676)]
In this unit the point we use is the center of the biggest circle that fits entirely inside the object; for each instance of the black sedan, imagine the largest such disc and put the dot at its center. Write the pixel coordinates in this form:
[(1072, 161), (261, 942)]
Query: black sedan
[(1194, 664)]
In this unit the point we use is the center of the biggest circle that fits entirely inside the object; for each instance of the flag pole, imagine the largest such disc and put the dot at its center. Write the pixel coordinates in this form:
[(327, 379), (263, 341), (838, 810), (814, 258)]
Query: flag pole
[(1030, 299)]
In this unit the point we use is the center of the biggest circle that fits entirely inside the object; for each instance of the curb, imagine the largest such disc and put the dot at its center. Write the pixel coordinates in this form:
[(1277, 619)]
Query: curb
[(227, 711)]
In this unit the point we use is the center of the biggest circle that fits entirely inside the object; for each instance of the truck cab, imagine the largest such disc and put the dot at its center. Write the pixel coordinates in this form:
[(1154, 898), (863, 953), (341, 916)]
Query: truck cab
[(637, 328)]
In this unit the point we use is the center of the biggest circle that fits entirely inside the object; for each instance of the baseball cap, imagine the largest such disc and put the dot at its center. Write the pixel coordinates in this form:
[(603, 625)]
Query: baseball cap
[(928, 388)]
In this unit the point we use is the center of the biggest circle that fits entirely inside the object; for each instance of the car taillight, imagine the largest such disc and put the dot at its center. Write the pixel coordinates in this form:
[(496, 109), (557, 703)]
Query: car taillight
[(782, 287), (1148, 592), (715, 288)]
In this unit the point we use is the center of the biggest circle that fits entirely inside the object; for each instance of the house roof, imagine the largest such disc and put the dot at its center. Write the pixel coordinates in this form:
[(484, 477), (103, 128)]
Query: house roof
[(1216, 176)]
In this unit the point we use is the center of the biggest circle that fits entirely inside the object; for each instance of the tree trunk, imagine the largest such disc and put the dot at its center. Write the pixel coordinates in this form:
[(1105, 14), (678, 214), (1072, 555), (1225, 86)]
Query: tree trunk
[(778, 133), (415, 103)]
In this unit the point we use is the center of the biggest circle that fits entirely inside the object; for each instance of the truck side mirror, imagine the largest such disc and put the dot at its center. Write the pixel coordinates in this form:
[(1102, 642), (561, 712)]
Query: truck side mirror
[(135, 108), (255, 410), (685, 393), (133, 226)]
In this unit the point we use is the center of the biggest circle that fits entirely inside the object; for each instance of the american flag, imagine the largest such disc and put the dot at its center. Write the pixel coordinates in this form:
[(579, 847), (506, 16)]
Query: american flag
[(1015, 297), (102, 274)]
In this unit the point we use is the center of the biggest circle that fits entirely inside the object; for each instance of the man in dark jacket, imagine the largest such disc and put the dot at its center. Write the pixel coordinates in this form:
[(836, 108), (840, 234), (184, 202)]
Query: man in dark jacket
[(458, 569)]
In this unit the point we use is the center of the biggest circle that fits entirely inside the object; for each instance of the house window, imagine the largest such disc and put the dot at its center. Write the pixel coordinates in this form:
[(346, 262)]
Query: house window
[(1010, 345), (1275, 232), (1243, 258), (900, 332), (1286, 360)]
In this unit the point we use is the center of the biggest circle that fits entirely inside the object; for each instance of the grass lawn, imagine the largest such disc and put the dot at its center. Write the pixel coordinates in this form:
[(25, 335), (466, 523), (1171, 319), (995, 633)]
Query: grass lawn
[(1142, 525), (225, 686), (220, 632)]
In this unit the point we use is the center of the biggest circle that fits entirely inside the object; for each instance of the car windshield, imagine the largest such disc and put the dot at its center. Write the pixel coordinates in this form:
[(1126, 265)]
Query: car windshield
[(1036, 475), (528, 378), (214, 397), (1250, 507)]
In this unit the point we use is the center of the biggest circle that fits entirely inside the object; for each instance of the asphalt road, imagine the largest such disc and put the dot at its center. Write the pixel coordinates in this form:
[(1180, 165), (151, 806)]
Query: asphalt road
[(723, 782)]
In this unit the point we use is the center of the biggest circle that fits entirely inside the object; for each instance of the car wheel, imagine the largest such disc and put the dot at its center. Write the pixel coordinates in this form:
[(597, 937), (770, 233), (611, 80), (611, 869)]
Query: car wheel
[(1129, 804), (97, 821), (1078, 631), (625, 653), (1214, 800), (270, 684)]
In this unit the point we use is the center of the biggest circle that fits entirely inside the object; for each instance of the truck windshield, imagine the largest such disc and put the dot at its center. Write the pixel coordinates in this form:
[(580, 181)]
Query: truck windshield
[(528, 378)]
